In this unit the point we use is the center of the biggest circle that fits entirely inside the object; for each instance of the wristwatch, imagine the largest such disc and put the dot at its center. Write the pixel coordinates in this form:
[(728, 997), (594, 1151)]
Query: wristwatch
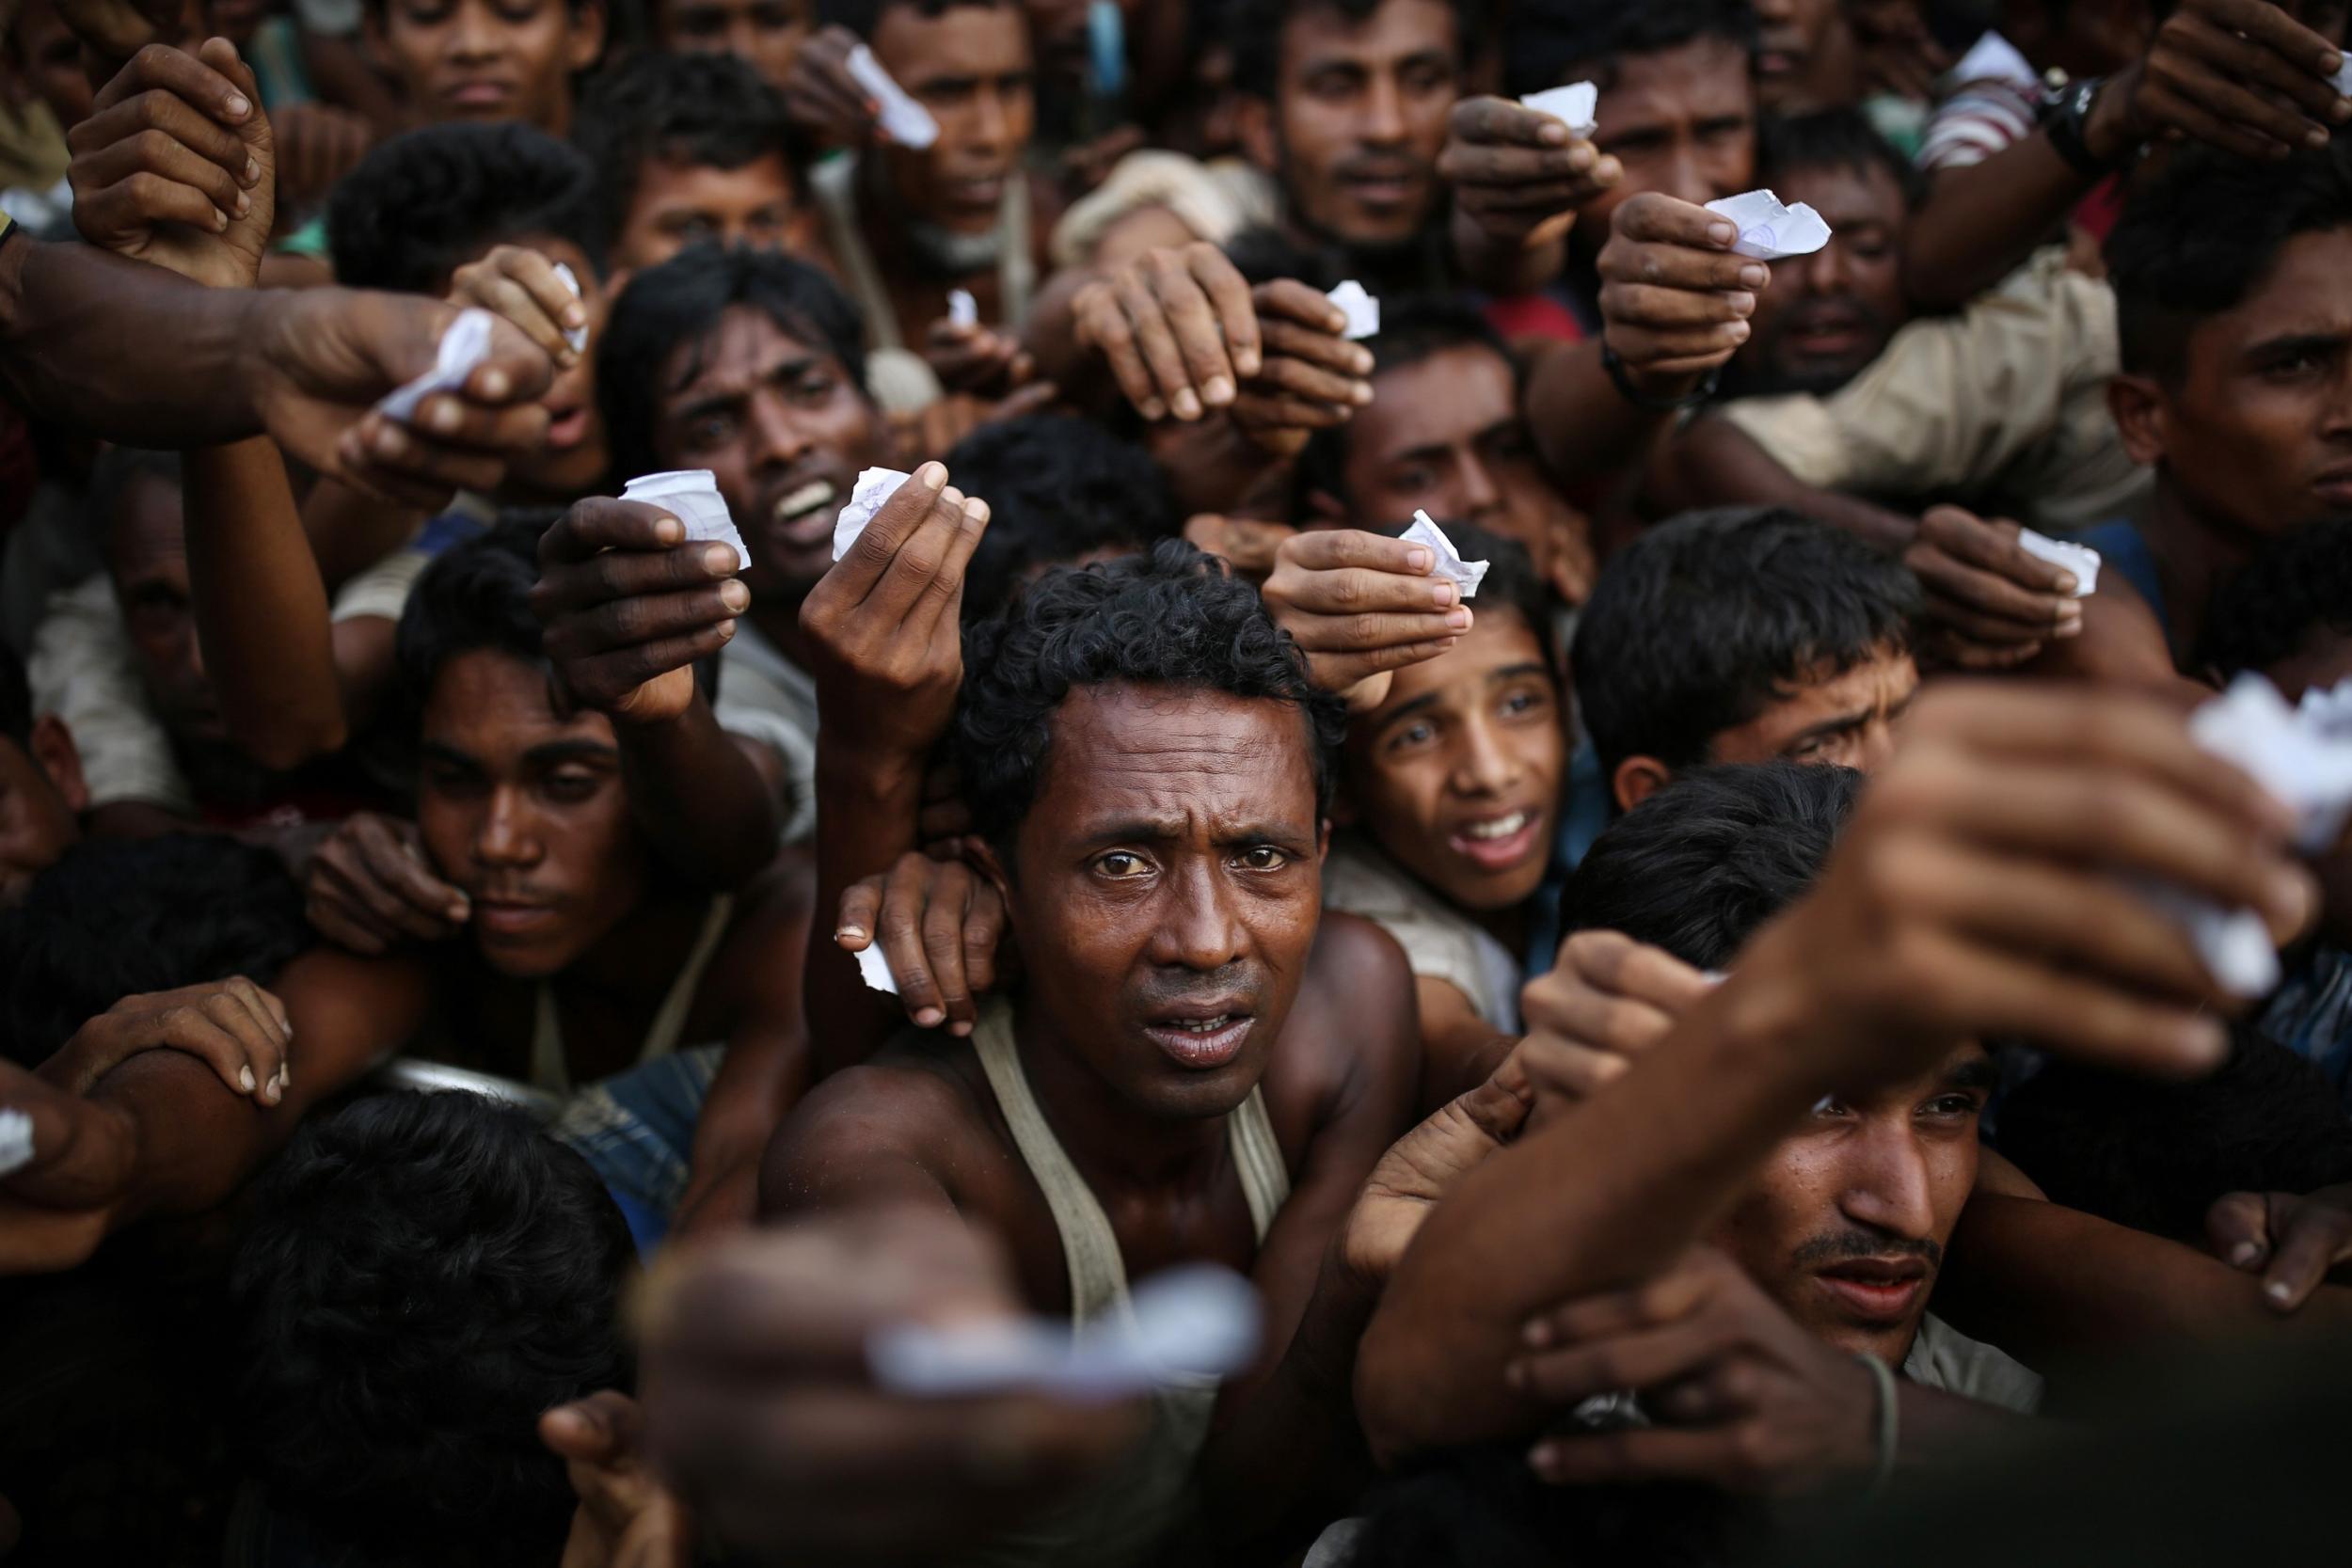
[(2065, 110), (1623, 381)]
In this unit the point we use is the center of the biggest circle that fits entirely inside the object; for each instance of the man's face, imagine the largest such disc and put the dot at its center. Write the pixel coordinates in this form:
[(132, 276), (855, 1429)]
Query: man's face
[(1682, 122), (147, 552), (1358, 119), (2258, 432), (48, 58), (764, 34), (784, 430), (572, 460), (970, 66), (1166, 886), (1443, 434), (1806, 58), (1846, 1224), (490, 60), (38, 807), (1844, 719), (526, 811), (1829, 314), (1457, 773), (681, 204)]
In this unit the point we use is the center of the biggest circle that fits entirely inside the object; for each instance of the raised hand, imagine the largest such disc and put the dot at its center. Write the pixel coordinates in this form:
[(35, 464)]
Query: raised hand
[(1178, 327), (1361, 607), (2294, 1241), (520, 284), (1308, 376), (938, 924), (241, 1031), (630, 607), (1675, 299), (1990, 603), (1608, 1000), (2241, 75), (1520, 174), (368, 887)]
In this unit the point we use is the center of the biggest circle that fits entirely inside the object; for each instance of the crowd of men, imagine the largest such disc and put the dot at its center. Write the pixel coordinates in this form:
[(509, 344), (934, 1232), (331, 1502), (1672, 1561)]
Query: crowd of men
[(1708, 1033)]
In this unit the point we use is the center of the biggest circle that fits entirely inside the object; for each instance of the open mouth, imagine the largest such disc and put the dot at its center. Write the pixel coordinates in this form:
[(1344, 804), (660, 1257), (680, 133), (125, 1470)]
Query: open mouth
[(1500, 843), (1201, 1041), (1877, 1290), (804, 515), (566, 429)]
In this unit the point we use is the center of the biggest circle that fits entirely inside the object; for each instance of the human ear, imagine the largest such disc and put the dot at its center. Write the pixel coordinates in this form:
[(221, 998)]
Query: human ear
[(54, 751), (1637, 778), (2137, 404)]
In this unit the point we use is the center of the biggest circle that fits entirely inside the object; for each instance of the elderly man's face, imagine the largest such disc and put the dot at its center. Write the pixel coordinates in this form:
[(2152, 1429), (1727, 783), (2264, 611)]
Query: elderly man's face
[(1166, 886), (1847, 1223)]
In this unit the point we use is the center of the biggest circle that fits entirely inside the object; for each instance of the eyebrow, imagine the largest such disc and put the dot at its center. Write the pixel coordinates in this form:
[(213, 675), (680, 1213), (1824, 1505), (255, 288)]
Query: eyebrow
[(2298, 342), (1430, 699), (721, 397), (1977, 1072), (553, 752), (1163, 830), (1837, 725)]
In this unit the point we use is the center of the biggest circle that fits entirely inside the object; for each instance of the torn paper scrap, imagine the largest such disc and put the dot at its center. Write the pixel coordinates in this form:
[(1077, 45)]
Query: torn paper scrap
[(2328, 709), (874, 969), (692, 496), (576, 336), (963, 310), (1190, 1323), (2344, 77), (901, 118), (1575, 105), (1362, 309), (1994, 59), (2233, 943), (2081, 560), (1469, 574), (1769, 230), (874, 486), (16, 1140), (463, 347)]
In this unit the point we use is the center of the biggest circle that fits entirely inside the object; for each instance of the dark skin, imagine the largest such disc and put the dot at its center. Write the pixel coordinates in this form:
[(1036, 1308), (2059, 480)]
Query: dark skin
[(471, 60), (41, 797), (764, 34), (1169, 861), (1831, 313)]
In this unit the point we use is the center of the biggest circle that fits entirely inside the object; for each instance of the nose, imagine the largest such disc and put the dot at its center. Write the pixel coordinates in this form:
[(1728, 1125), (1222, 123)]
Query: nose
[(1828, 271), (194, 654), (1197, 930), (1887, 1187), (504, 837), (1685, 177), (474, 34), (1877, 744), (1482, 499), (778, 438), (991, 122), (1484, 765), (1383, 123)]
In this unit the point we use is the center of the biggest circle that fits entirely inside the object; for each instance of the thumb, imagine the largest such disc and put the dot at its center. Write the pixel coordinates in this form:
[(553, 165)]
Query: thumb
[(254, 131), (1498, 1106), (602, 1428), (2237, 1229)]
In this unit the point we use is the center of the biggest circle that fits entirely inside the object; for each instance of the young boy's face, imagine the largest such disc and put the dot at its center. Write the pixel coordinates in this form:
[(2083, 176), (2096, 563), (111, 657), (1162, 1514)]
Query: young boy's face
[(1457, 773), (490, 60), (681, 204), (571, 460)]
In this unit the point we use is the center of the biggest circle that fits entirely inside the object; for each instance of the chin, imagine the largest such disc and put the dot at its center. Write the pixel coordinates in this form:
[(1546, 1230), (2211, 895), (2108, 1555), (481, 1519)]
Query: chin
[(533, 960)]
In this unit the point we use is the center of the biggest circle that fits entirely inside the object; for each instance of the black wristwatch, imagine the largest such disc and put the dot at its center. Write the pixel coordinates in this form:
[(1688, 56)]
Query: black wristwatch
[(2065, 112), (1623, 382)]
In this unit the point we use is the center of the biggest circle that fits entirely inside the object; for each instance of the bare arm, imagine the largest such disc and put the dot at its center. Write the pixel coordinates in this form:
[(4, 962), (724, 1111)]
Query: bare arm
[(1714, 462)]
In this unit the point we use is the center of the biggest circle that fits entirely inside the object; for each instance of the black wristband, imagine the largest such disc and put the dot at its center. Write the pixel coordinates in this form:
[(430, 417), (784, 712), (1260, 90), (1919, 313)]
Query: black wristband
[(2065, 113), (1639, 398)]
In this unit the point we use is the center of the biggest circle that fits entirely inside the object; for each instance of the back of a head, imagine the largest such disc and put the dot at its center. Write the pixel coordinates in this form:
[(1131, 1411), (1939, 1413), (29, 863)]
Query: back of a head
[(2202, 230), (1841, 138), (1548, 43), (701, 109), (2297, 590), (426, 202), (1699, 866), (1256, 27), (475, 595), (677, 304), (118, 917), (1702, 622), (423, 1275), (2154, 1153), (1058, 488), (1171, 618)]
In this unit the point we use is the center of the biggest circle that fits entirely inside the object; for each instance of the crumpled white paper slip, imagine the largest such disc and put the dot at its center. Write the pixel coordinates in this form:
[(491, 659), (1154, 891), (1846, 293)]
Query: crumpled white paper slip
[(963, 310), (903, 119), (874, 486), (2081, 560), (462, 349), (2328, 708), (1769, 230), (1362, 309), (1575, 105), (576, 336), (1188, 1324), (16, 1140), (1469, 574), (874, 970), (1994, 59), (2344, 77), (692, 496)]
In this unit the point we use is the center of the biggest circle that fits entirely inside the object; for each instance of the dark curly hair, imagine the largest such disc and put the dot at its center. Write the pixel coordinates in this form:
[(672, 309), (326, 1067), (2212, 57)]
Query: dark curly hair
[(1547, 43), (701, 109), (426, 202), (117, 917), (1256, 27), (1057, 487), (424, 1277), (475, 595), (1170, 618)]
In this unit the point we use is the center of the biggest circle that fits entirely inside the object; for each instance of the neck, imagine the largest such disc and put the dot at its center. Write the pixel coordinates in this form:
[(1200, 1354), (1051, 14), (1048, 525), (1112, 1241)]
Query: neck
[(1115, 1147), (641, 956), (908, 248), (2192, 553), (779, 622)]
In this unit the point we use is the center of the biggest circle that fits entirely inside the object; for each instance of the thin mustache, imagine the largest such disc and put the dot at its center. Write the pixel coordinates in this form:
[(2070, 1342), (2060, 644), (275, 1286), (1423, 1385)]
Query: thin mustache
[(1847, 1245)]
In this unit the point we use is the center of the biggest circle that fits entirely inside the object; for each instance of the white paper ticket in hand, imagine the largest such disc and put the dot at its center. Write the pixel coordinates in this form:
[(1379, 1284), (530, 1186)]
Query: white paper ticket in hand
[(963, 310), (576, 336), (16, 1140), (2081, 560), (903, 119), (1469, 574), (692, 496), (1769, 230), (874, 969), (462, 349), (1576, 105), (874, 486), (1362, 309), (1184, 1325), (2344, 77)]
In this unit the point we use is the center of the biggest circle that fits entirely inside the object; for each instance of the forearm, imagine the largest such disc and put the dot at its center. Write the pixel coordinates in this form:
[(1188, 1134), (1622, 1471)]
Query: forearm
[(260, 608), (1715, 462), (698, 797), (1587, 430), (1931, 1426), (1980, 222), (761, 1077), (868, 813), (79, 331), (1213, 465), (1505, 266), (1601, 1198), (350, 532)]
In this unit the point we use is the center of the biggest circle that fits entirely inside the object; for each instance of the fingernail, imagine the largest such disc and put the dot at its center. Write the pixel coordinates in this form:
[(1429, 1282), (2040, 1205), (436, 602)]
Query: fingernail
[(1459, 618), (1755, 277), (1540, 1460), (1537, 1334), (460, 909), (928, 1018), (220, 219), (1153, 409), (1247, 362), (1552, 130), (1186, 406), (976, 509), (2245, 1253), (1736, 332), (1216, 391), (960, 1027), (245, 204), (1741, 304), (1442, 592), (237, 105), (718, 557), (1419, 558), (390, 442), (2066, 584), (2279, 1291), (495, 384), (245, 1079), (252, 171), (575, 315), (733, 595), (1361, 362), (1514, 1373), (445, 416), (1360, 393), (2314, 137), (849, 933), (1722, 234), (932, 476)]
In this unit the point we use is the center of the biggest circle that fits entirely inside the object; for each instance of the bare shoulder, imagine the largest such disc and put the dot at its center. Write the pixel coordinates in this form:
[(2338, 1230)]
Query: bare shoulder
[(1358, 978), (1351, 1050), (905, 1122)]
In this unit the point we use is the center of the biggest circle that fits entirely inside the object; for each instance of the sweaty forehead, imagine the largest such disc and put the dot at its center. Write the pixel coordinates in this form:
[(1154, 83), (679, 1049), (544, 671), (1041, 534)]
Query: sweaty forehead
[(2308, 290), (1705, 76), (1123, 752), (975, 38), (740, 352)]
